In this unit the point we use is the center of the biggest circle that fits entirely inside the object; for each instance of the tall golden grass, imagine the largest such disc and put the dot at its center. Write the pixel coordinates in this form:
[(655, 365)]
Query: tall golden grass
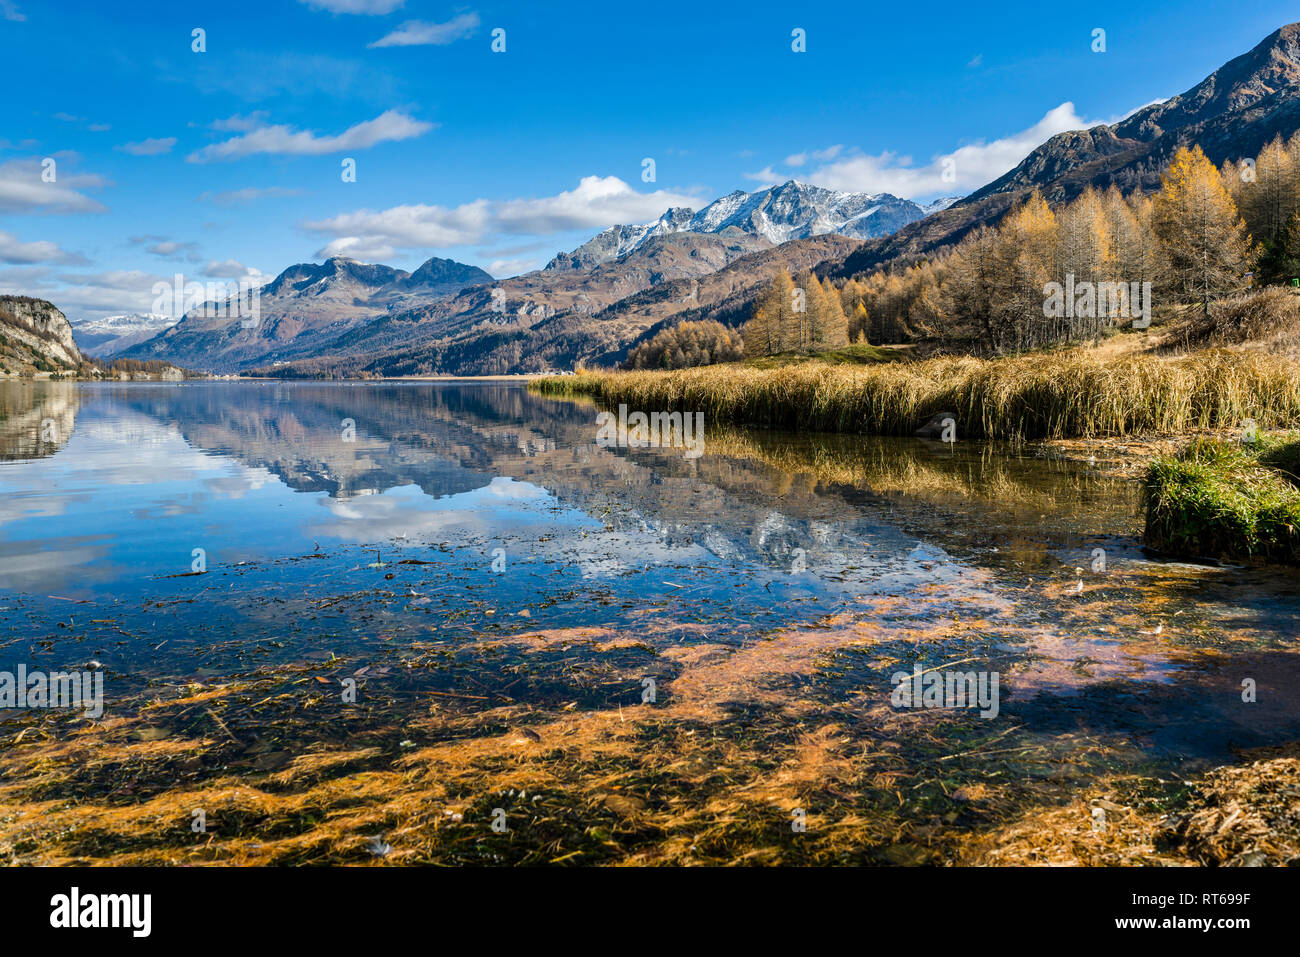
[(1039, 396)]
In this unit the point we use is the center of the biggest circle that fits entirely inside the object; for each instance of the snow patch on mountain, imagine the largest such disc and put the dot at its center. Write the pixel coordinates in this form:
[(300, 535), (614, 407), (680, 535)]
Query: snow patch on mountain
[(793, 210), (110, 335), (939, 205)]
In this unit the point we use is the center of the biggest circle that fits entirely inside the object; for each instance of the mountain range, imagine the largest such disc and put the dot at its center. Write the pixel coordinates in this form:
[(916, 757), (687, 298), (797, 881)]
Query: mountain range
[(341, 312), (110, 336), (595, 302), (793, 210), (302, 311)]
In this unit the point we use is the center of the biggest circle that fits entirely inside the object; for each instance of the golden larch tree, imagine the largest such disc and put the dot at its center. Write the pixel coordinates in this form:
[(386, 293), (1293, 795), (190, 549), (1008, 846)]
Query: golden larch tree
[(1196, 220)]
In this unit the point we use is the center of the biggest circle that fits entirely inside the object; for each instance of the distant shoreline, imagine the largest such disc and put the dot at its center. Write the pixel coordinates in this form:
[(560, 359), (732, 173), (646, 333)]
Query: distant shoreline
[(517, 377)]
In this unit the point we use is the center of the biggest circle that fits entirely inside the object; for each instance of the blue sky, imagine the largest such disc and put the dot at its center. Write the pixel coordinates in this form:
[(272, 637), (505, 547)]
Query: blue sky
[(227, 163)]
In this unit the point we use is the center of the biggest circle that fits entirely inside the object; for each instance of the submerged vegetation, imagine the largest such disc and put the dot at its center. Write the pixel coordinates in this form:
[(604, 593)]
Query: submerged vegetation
[(547, 732), (1224, 499)]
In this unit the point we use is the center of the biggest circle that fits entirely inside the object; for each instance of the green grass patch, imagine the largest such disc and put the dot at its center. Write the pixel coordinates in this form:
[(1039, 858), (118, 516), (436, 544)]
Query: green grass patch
[(1216, 499)]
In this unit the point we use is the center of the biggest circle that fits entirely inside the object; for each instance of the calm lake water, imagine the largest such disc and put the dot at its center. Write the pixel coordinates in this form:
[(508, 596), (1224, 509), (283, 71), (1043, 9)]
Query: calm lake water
[(212, 533)]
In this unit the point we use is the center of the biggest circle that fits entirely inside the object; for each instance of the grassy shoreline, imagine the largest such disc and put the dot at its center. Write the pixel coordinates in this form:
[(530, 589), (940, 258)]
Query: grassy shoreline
[(1216, 499), (1038, 396)]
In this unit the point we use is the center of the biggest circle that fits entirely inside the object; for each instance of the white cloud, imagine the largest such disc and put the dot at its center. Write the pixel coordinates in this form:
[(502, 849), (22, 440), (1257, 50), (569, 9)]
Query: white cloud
[(367, 249), (170, 249), (16, 252), (22, 189), (597, 202), (766, 177), (972, 166), (231, 269), (165, 248), (388, 126), (241, 123), (9, 11), (88, 295), (93, 294), (364, 7), (416, 33), (149, 147), (70, 118), (798, 159), (504, 268)]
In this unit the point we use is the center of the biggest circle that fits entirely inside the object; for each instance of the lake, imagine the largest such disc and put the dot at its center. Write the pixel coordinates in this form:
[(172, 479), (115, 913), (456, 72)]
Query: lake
[(335, 614)]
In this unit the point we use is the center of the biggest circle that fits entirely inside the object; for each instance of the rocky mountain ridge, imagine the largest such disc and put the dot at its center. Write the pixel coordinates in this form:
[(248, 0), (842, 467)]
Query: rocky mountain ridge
[(302, 310), (793, 210)]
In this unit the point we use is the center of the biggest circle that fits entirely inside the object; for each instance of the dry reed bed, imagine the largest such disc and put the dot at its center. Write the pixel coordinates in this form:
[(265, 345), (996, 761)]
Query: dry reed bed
[(1040, 396)]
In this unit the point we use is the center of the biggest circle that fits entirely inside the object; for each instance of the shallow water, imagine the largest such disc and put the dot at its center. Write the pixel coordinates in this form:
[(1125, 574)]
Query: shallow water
[(471, 542)]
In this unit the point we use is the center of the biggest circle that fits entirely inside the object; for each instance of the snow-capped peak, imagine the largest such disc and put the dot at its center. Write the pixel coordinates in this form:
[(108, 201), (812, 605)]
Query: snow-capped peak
[(793, 210)]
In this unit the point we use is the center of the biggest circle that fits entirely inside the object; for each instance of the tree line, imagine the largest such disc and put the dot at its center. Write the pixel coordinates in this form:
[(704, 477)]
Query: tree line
[(688, 344), (797, 315), (1267, 193), (1190, 242)]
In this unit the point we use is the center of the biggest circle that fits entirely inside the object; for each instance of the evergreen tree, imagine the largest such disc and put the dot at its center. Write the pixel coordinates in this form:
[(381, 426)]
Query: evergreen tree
[(1288, 260)]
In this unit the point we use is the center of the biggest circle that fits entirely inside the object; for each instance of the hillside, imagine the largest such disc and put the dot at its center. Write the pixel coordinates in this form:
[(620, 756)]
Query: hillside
[(302, 310), (347, 314), (35, 337), (597, 320)]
